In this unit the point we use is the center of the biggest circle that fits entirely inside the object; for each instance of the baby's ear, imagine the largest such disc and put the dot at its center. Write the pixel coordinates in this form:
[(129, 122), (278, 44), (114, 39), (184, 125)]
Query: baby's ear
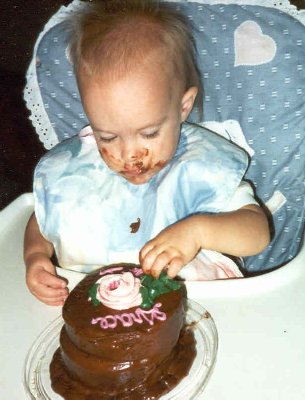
[(187, 102)]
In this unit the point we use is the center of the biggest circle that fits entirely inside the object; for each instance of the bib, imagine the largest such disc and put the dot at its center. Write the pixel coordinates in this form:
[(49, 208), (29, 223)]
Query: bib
[(94, 216)]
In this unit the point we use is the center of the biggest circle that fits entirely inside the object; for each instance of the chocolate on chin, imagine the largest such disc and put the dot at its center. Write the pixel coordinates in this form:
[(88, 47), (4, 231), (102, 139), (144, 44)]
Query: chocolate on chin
[(124, 337)]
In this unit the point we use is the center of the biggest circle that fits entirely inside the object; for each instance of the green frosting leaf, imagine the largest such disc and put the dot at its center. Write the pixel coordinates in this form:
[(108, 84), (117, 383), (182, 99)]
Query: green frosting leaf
[(152, 288), (92, 294)]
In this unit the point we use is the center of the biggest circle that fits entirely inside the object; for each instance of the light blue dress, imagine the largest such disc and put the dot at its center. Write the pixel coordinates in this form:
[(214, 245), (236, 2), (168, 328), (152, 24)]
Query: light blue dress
[(94, 216)]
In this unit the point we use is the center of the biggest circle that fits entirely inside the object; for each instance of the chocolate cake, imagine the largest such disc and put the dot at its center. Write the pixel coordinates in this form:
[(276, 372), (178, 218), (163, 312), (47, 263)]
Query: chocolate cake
[(124, 337)]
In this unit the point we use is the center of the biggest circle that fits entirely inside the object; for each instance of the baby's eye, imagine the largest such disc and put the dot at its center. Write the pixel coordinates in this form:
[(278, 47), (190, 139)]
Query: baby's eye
[(151, 135), (106, 139)]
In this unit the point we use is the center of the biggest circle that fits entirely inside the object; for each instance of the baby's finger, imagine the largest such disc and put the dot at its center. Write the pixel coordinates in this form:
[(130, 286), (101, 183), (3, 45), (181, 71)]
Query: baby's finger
[(144, 252), (47, 292), (148, 261), (174, 267), (53, 281), (160, 263), (57, 301)]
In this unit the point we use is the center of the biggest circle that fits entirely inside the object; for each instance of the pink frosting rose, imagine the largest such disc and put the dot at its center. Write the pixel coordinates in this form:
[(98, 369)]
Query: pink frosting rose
[(119, 291)]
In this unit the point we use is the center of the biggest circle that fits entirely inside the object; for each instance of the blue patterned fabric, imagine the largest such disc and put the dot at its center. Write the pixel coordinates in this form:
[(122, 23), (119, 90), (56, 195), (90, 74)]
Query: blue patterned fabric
[(252, 64), (58, 85), (87, 210)]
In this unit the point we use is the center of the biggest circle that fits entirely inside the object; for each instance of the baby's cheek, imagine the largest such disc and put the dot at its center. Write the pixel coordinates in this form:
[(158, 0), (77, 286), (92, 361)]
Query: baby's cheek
[(104, 152), (108, 157), (160, 164)]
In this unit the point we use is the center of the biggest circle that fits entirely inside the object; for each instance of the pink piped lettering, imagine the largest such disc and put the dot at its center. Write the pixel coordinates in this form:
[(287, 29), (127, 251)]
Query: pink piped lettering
[(111, 321), (128, 319), (152, 314), (137, 316), (110, 271), (125, 319), (107, 322)]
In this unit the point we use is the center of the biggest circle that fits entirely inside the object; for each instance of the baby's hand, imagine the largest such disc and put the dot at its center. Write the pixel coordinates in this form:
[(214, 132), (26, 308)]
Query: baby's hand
[(42, 280), (171, 249)]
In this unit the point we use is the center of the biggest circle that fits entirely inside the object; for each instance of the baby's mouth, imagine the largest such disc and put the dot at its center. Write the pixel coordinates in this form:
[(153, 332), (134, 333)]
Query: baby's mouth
[(134, 169)]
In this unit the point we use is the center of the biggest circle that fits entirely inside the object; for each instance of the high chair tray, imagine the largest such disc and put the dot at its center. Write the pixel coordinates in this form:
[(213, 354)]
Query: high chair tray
[(260, 323)]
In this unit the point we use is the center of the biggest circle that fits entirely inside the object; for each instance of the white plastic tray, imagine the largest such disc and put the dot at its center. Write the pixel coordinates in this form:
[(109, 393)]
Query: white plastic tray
[(260, 322)]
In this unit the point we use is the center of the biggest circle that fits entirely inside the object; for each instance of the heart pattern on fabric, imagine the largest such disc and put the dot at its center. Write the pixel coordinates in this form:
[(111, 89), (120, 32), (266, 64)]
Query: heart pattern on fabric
[(252, 47)]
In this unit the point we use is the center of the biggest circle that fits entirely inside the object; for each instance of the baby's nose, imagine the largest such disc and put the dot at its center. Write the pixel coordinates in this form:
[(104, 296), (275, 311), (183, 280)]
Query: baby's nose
[(131, 153)]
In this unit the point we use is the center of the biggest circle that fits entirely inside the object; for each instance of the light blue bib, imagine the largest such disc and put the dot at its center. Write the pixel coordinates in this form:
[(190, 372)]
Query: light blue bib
[(95, 217)]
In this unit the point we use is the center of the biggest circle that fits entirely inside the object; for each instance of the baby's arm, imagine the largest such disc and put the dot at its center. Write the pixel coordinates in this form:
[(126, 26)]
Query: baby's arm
[(243, 232), (40, 272)]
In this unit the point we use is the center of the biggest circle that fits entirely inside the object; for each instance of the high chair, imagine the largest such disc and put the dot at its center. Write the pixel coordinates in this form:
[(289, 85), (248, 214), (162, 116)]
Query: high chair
[(251, 56)]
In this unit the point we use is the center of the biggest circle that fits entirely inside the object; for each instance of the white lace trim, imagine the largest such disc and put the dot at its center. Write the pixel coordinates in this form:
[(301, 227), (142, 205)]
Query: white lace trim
[(32, 96), (282, 5)]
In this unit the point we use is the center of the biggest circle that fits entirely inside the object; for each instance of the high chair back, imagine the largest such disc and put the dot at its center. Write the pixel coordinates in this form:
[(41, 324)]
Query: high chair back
[(251, 57)]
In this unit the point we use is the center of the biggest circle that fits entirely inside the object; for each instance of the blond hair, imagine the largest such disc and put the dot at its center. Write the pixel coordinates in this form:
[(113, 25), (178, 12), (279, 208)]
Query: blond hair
[(115, 36)]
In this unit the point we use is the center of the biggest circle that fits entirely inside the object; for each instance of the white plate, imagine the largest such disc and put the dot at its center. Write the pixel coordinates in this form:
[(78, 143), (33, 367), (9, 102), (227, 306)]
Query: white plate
[(36, 371)]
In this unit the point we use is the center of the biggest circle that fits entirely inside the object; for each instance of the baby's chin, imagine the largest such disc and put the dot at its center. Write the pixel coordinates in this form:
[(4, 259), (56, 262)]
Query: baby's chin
[(140, 178)]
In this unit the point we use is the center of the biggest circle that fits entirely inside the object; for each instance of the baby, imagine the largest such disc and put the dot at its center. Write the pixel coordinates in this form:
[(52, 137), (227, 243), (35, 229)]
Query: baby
[(140, 184)]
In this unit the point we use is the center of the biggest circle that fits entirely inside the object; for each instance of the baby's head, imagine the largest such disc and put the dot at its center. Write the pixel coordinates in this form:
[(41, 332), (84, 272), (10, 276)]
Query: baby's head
[(135, 66)]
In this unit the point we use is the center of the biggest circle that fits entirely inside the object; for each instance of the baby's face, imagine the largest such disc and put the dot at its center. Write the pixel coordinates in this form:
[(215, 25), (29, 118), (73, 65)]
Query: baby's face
[(136, 120)]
